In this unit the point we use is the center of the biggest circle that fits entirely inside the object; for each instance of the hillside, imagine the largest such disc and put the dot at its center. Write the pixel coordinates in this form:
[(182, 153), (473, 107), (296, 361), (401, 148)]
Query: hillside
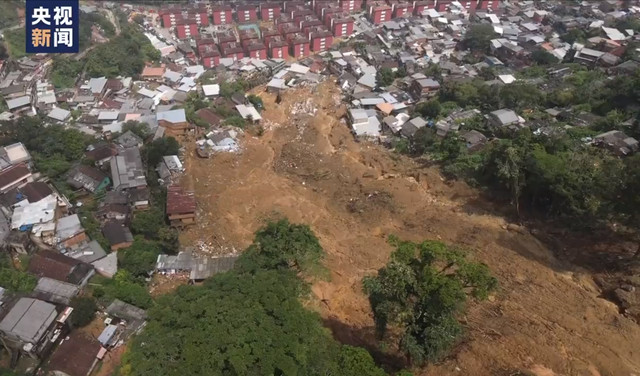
[(548, 312)]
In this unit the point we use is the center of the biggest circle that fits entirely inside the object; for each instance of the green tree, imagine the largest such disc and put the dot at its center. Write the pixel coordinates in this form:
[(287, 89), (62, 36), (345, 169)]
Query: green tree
[(260, 303), (421, 290), (16, 281), (401, 72), (256, 101), (385, 76), (478, 37), (235, 121), (429, 109), (282, 246), (542, 57), (148, 223), (573, 35), (139, 129), (124, 287), (84, 310), (155, 150), (140, 258)]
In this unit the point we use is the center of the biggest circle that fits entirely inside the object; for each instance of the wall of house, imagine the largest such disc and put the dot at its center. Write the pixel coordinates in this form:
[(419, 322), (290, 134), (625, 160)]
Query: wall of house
[(300, 50), (270, 14), (318, 43)]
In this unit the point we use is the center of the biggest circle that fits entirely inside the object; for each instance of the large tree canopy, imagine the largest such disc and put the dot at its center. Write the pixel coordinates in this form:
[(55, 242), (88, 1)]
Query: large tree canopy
[(422, 290), (249, 321)]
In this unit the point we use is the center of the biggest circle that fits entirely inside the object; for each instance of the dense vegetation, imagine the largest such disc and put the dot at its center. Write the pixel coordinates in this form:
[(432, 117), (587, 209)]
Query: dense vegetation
[(249, 321), (124, 55), (421, 291), (53, 149), (15, 281), (555, 172), (84, 310)]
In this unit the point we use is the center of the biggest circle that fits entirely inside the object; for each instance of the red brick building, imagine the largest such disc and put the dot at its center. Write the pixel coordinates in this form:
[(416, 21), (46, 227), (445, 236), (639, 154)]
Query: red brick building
[(320, 39), (300, 13), (283, 19), (299, 46), (341, 25), (379, 12), (400, 8), (269, 11), (327, 11), (171, 15), (267, 33), (247, 13), (308, 22), (232, 50), (278, 47), (288, 5), (248, 35), (420, 6), (351, 5), (222, 15), (289, 30), (442, 5), (187, 29), (256, 49), (488, 4), (469, 5), (225, 38), (210, 55)]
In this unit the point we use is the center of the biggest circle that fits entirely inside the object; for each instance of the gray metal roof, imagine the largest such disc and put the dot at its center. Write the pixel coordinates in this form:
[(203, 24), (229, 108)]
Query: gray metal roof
[(59, 114), (68, 227), (127, 170), (418, 122), (97, 85), (29, 319), (358, 114), (55, 291), (126, 311), (107, 334), (107, 265), (108, 115), (174, 116), (368, 80), (89, 252), (182, 261), (505, 117), (172, 76), (18, 102), (206, 268)]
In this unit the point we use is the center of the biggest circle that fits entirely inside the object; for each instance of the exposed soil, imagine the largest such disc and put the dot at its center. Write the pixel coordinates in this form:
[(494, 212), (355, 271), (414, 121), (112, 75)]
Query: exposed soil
[(548, 316)]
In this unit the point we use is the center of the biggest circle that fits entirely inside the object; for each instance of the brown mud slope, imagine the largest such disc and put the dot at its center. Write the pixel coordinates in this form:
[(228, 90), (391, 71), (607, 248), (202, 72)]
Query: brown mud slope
[(546, 315)]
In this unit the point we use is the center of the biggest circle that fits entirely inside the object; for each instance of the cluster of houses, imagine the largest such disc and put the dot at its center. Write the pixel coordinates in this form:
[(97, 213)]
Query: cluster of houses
[(412, 43)]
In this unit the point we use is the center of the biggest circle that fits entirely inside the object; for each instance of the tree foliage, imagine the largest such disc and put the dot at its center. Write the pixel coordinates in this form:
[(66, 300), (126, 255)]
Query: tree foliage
[(478, 37), (124, 55), (140, 258), (124, 287), (154, 151), (385, 76), (65, 72), (249, 321), (542, 57), (422, 290), (84, 310)]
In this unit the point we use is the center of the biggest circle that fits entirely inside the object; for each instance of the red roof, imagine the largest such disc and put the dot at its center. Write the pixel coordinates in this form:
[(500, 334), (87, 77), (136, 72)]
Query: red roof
[(180, 201), (14, 174)]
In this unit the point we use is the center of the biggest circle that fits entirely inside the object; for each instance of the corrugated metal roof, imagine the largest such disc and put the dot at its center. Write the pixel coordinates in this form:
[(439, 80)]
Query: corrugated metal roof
[(29, 319)]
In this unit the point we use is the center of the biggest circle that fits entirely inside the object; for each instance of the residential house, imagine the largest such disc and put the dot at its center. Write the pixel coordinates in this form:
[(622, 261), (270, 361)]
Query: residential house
[(59, 114), (249, 113), (20, 242), (31, 327), (503, 118), (60, 267), (617, 141), (89, 252), (14, 154), (412, 126), (181, 206), (424, 88), (107, 266), (210, 117), (97, 86), (208, 267), (56, 292), (69, 232), (118, 235), (364, 123), (19, 105), (15, 177), (77, 355), (174, 121), (129, 140), (127, 170), (101, 153), (168, 167), (474, 140), (90, 179)]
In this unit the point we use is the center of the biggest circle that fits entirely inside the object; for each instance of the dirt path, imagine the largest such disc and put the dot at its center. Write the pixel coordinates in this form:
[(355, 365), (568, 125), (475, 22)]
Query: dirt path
[(309, 169)]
